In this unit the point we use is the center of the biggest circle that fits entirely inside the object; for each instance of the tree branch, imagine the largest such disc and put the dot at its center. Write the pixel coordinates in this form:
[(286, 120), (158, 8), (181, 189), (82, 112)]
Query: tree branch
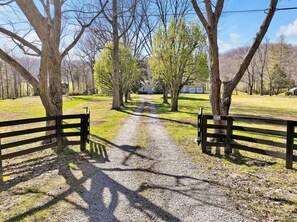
[(6, 3), (256, 43), (34, 16), (82, 31), (20, 39), (23, 72), (200, 15), (218, 10)]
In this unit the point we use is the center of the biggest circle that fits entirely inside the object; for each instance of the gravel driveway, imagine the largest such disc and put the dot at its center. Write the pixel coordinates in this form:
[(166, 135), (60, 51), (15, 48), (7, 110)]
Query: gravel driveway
[(155, 183)]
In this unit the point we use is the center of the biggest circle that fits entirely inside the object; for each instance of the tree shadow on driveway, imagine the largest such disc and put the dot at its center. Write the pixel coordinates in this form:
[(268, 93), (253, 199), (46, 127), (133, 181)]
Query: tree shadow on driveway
[(97, 176)]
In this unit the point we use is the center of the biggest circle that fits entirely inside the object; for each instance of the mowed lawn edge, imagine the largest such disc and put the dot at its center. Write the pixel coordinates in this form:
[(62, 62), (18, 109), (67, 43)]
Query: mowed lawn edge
[(260, 186)]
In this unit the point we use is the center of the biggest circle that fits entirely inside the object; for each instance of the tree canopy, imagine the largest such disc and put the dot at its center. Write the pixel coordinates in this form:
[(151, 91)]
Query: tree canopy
[(178, 56), (128, 69)]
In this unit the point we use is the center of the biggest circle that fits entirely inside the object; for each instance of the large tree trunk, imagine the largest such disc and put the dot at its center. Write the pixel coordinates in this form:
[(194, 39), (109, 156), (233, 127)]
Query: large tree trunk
[(261, 85), (116, 100), (226, 98), (215, 82), (55, 89), (174, 101), (126, 96), (165, 95), (122, 97)]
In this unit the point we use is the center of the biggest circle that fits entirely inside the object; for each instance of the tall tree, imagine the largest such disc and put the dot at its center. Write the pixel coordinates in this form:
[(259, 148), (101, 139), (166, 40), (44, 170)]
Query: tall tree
[(128, 70), (46, 21), (179, 56), (261, 64), (220, 102), (118, 7), (165, 11), (279, 63)]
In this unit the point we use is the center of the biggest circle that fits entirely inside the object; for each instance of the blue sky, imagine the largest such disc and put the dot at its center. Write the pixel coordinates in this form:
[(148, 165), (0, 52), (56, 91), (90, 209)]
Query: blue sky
[(238, 29)]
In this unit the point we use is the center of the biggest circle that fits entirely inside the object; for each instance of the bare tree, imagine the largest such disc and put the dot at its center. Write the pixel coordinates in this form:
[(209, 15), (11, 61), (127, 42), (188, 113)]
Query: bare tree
[(46, 22), (220, 102), (117, 8), (262, 58)]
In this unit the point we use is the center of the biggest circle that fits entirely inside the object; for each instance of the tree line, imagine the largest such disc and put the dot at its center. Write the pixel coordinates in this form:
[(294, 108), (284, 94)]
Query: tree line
[(271, 71), (180, 48)]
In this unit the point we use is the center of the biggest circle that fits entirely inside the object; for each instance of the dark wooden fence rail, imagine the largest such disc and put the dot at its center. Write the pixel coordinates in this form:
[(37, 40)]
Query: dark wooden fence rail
[(54, 133), (227, 130)]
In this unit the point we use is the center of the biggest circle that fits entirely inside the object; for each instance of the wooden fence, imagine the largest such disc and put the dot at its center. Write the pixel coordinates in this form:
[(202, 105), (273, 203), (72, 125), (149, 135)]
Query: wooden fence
[(231, 132), (54, 134)]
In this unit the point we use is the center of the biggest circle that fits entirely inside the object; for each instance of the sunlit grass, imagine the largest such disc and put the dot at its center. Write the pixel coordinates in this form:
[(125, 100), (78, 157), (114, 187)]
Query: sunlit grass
[(22, 201), (266, 174)]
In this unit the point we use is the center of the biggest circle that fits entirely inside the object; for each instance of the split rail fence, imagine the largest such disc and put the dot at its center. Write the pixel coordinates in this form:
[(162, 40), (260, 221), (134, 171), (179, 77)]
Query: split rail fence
[(271, 137)]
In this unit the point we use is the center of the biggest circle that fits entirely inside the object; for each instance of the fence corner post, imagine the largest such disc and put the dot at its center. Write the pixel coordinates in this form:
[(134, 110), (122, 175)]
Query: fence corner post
[(228, 148), (59, 132), (84, 131), (203, 134), (290, 144)]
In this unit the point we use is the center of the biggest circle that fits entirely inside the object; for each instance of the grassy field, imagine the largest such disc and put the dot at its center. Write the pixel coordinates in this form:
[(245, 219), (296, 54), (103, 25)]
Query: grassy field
[(40, 186), (260, 185)]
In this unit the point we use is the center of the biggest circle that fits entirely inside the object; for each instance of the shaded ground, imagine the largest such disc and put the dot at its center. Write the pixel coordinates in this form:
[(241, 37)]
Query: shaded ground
[(152, 182), (142, 175)]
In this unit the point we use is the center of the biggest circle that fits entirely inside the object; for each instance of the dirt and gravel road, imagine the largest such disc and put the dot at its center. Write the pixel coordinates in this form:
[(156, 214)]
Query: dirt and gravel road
[(157, 182)]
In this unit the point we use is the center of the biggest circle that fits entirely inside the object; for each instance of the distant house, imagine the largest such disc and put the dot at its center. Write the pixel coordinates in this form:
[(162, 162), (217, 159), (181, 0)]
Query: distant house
[(146, 88), (293, 91), (193, 89)]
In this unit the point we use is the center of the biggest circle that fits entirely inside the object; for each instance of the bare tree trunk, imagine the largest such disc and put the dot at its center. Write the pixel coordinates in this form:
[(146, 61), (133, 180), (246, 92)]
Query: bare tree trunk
[(15, 85), (165, 95), (174, 100), (121, 96), (20, 85), (28, 89), (116, 101), (1, 79), (126, 96), (261, 84), (215, 82), (129, 96), (7, 81)]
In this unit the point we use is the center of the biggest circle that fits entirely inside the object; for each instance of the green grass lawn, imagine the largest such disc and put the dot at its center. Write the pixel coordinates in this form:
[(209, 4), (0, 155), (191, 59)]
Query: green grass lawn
[(261, 184), (33, 181), (104, 121)]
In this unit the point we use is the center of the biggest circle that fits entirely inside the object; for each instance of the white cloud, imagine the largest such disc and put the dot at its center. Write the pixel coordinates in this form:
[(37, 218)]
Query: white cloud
[(234, 37), (224, 46), (289, 30)]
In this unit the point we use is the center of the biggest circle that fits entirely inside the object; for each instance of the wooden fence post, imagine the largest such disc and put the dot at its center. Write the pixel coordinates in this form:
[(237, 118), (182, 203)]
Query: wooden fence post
[(199, 125), (203, 132), (88, 127), (290, 144), (1, 167), (83, 132), (228, 149), (59, 133)]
